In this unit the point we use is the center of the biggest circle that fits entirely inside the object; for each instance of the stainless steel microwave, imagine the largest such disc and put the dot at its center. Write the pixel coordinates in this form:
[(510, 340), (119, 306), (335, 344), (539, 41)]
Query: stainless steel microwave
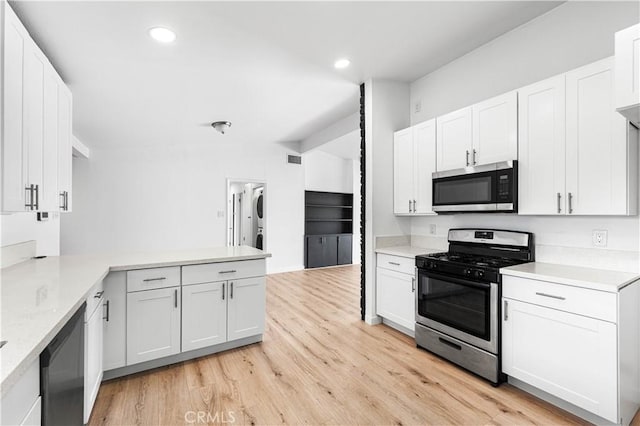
[(488, 188)]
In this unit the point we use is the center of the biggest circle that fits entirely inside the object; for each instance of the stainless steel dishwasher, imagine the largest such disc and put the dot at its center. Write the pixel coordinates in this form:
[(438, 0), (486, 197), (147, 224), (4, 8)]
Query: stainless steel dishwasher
[(62, 374)]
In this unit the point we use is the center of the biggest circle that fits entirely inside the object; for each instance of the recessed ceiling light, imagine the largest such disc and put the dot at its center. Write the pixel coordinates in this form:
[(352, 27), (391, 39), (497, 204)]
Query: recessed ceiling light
[(342, 63), (163, 35)]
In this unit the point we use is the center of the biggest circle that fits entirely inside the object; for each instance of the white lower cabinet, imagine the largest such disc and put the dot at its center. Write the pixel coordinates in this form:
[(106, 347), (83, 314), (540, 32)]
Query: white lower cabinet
[(395, 290), (153, 324), (204, 315), (577, 344), (570, 356), (115, 321), (93, 352), (246, 306), (21, 404)]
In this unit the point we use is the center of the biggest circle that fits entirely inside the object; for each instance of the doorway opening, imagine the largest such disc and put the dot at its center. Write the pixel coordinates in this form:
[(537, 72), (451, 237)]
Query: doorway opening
[(246, 208)]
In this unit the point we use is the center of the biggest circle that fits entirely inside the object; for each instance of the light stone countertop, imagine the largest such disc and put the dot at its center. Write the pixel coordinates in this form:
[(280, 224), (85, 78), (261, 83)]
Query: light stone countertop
[(406, 251), (577, 276), (39, 296)]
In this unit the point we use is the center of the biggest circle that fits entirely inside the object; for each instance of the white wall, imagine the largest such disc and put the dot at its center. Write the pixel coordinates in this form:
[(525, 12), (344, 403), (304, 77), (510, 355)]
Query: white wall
[(169, 197), (327, 172), (571, 35), (386, 110), (568, 36), (20, 227)]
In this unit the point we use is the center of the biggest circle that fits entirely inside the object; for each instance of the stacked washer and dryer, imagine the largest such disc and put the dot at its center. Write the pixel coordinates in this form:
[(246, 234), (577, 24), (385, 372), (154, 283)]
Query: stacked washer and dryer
[(259, 215)]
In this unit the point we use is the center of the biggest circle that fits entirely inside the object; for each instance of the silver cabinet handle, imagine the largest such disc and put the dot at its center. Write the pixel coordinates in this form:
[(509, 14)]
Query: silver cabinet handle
[(66, 201), (223, 286), (467, 157), (394, 263), (231, 271), (63, 200), (175, 298), (29, 189), (409, 206), (98, 295), (413, 284), (559, 198), (146, 280), (551, 296), (474, 157), (37, 197), (414, 206), (570, 203), (231, 291), (107, 316), (506, 310)]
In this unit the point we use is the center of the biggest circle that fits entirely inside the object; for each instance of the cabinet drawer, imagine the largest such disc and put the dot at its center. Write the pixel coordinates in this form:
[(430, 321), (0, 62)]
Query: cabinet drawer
[(581, 301), (94, 298), (405, 265), (147, 279), (210, 272)]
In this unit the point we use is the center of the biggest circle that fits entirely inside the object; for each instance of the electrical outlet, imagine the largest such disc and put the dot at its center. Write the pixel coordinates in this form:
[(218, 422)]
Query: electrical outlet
[(418, 106), (599, 237), (432, 229), (220, 213)]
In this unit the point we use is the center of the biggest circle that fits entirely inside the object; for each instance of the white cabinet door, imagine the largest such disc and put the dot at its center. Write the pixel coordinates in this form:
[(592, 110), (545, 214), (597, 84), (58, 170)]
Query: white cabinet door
[(65, 146), (246, 307), (93, 360), (454, 139), (14, 150), (596, 143), (35, 67), (424, 158), (204, 315), (49, 189), (495, 129), (115, 320), (395, 297), (541, 150), (153, 326), (403, 171), (570, 356), (627, 73)]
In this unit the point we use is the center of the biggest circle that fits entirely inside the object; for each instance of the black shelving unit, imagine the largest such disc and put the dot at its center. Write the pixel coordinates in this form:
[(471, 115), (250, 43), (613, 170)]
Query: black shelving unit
[(328, 228)]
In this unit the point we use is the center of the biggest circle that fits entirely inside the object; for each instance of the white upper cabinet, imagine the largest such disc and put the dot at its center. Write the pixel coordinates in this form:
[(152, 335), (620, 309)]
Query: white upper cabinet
[(484, 133), (403, 171), (414, 160), (65, 147), (454, 139), (576, 154), (541, 165), (14, 150), (495, 130), (627, 73), (31, 123), (598, 146)]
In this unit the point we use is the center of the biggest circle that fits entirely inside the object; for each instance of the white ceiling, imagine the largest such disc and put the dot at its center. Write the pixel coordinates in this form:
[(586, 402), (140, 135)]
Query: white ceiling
[(265, 66)]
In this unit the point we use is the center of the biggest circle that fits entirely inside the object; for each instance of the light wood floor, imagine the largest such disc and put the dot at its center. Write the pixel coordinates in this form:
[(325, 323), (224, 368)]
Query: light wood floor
[(319, 364)]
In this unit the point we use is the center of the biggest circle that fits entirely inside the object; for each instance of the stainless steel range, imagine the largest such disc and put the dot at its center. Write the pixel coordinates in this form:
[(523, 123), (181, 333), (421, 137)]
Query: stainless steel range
[(458, 296)]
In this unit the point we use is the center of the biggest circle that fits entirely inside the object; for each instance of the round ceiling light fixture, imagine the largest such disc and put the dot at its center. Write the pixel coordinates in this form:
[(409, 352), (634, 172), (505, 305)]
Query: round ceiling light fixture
[(342, 63), (163, 35), (221, 126)]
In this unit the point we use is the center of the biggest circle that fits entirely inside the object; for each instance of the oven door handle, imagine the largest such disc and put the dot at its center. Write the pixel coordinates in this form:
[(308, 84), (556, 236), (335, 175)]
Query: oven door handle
[(455, 280)]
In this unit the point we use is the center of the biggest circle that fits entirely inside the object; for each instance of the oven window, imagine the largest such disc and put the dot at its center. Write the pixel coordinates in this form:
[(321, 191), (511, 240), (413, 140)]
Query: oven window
[(468, 190), (462, 307)]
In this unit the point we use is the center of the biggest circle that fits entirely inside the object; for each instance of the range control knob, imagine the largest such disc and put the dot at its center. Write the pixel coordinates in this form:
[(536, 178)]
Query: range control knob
[(468, 272), (479, 274)]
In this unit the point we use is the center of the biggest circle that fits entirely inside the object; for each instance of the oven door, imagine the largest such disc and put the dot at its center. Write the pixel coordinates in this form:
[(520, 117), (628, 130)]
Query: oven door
[(460, 308)]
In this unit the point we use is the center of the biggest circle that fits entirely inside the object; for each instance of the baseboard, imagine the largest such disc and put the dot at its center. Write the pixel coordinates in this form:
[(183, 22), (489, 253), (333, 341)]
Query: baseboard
[(373, 320), (561, 403), (282, 270), (183, 356), (400, 328)]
